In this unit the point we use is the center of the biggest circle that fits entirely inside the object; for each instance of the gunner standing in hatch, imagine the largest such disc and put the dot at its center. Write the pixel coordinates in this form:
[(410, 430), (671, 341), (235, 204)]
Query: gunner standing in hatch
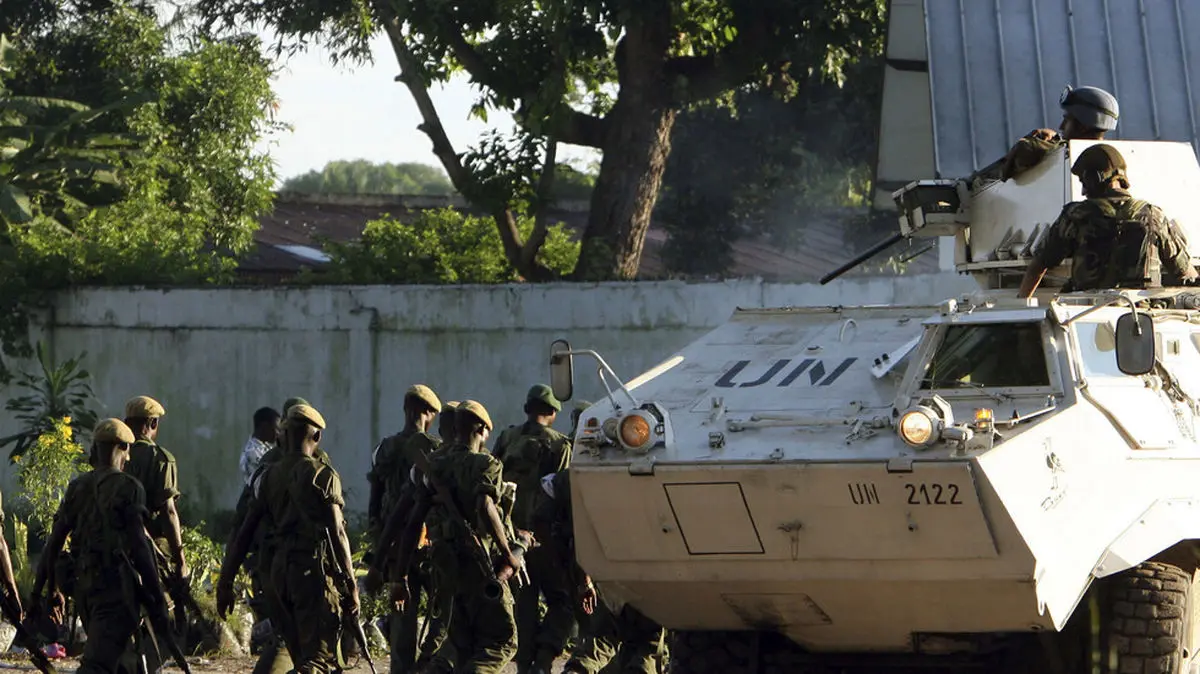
[(1113, 239), (1088, 113)]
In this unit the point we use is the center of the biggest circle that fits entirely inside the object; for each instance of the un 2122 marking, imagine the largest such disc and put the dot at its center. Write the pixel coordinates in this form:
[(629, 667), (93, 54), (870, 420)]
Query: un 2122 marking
[(863, 493), (932, 493)]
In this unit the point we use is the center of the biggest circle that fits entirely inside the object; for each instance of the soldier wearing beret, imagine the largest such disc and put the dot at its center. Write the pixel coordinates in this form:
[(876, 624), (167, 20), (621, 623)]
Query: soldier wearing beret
[(1113, 239), (391, 467), (528, 452), (104, 512), (300, 497), (474, 546), (274, 657), (155, 468)]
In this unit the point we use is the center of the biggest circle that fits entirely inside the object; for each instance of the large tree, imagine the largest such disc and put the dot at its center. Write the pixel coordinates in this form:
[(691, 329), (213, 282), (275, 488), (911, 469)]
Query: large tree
[(606, 74), (126, 157)]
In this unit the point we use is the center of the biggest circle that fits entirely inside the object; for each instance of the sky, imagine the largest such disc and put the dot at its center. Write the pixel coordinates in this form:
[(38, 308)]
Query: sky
[(360, 112)]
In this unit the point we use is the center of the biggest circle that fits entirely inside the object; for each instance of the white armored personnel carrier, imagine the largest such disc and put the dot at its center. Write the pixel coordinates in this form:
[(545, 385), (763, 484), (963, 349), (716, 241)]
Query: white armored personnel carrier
[(993, 482)]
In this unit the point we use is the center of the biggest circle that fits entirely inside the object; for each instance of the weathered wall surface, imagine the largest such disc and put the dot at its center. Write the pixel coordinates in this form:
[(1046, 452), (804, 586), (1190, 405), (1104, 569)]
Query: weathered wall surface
[(214, 356)]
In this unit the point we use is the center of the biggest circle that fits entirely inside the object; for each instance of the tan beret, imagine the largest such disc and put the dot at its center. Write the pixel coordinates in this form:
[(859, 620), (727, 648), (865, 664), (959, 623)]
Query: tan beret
[(476, 410), (307, 414), (143, 407), (450, 405), (112, 430), (424, 394)]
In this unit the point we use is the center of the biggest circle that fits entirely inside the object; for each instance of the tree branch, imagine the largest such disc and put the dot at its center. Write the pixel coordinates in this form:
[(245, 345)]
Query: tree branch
[(706, 77), (431, 125), (542, 203)]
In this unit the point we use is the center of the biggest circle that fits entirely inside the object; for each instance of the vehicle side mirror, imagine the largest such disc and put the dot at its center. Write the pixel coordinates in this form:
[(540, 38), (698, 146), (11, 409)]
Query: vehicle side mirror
[(562, 370), (1135, 343)]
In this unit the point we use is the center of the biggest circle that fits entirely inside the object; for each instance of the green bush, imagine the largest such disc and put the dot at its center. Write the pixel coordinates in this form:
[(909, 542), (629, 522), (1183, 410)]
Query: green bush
[(439, 247), (45, 470)]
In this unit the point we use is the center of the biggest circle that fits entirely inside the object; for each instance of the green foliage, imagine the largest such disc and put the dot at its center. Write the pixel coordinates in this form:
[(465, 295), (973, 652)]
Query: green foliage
[(45, 470), (23, 571), (196, 189), (363, 177), (125, 158), (55, 392), (204, 557), (766, 167), (437, 247), (608, 74)]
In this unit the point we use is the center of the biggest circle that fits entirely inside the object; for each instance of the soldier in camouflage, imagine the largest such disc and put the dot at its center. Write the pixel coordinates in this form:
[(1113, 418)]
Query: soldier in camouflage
[(391, 465), (1112, 239), (474, 544), (155, 468), (618, 640), (528, 452), (302, 496), (104, 512), (274, 657), (1088, 114)]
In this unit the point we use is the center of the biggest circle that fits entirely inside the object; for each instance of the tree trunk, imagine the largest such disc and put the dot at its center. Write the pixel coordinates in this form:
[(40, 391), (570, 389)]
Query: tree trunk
[(636, 146)]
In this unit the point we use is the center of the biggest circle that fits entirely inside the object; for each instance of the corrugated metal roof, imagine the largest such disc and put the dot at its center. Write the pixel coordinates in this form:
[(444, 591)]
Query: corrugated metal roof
[(996, 69)]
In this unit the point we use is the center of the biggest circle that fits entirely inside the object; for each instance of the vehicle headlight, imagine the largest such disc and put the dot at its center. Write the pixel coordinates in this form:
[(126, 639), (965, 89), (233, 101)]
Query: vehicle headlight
[(920, 427), (635, 432)]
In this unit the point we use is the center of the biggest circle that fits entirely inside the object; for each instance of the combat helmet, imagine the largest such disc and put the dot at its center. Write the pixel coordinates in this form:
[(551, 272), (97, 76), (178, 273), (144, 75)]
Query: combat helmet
[(1101, 161), (1093, 107)]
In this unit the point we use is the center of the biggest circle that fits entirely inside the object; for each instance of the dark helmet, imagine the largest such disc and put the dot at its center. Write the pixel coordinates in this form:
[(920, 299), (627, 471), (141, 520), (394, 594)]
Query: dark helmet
[(1102, 160), (1092, 107)]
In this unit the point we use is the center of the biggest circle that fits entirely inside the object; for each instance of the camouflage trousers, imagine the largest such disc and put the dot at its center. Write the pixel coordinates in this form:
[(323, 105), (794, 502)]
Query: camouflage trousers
[(274, 657), (483, 632), (626, 642), (308, 608), (405, 641), (542, 639), (111, 621)]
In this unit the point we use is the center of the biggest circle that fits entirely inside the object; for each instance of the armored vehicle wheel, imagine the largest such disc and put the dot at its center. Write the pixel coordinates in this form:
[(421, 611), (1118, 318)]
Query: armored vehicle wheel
[(1145, 615), (713, 653)]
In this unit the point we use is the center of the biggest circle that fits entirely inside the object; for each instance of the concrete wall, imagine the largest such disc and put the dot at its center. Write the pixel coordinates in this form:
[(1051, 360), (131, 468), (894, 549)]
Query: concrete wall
[(214, 356)]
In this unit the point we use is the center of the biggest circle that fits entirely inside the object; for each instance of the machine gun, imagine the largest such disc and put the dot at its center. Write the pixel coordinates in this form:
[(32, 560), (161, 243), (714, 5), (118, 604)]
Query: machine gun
[(8, 606), (927, 208), (350, 621)]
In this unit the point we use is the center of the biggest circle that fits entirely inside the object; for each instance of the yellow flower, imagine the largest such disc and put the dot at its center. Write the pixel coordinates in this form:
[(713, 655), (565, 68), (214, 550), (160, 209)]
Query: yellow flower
[(66, 421)]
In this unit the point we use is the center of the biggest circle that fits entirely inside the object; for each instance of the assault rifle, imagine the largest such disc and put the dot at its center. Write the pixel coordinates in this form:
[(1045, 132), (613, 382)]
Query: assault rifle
[(160, 622), (8, 606), (177, 587), (349, 614), (478, 551)]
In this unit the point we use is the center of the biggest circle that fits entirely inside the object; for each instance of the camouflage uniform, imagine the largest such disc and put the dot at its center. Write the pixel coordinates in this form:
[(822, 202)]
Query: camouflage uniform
[(402, 627), (391, 467), (482, 627), (298, 492), (1115, 241), (96, 508), (1027, 153), (155, 468), (623, 641), (528, 452), (274, 658)]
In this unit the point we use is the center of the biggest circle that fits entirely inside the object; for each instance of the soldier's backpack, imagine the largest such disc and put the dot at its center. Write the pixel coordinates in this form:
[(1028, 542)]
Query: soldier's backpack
[(1131, 259)]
